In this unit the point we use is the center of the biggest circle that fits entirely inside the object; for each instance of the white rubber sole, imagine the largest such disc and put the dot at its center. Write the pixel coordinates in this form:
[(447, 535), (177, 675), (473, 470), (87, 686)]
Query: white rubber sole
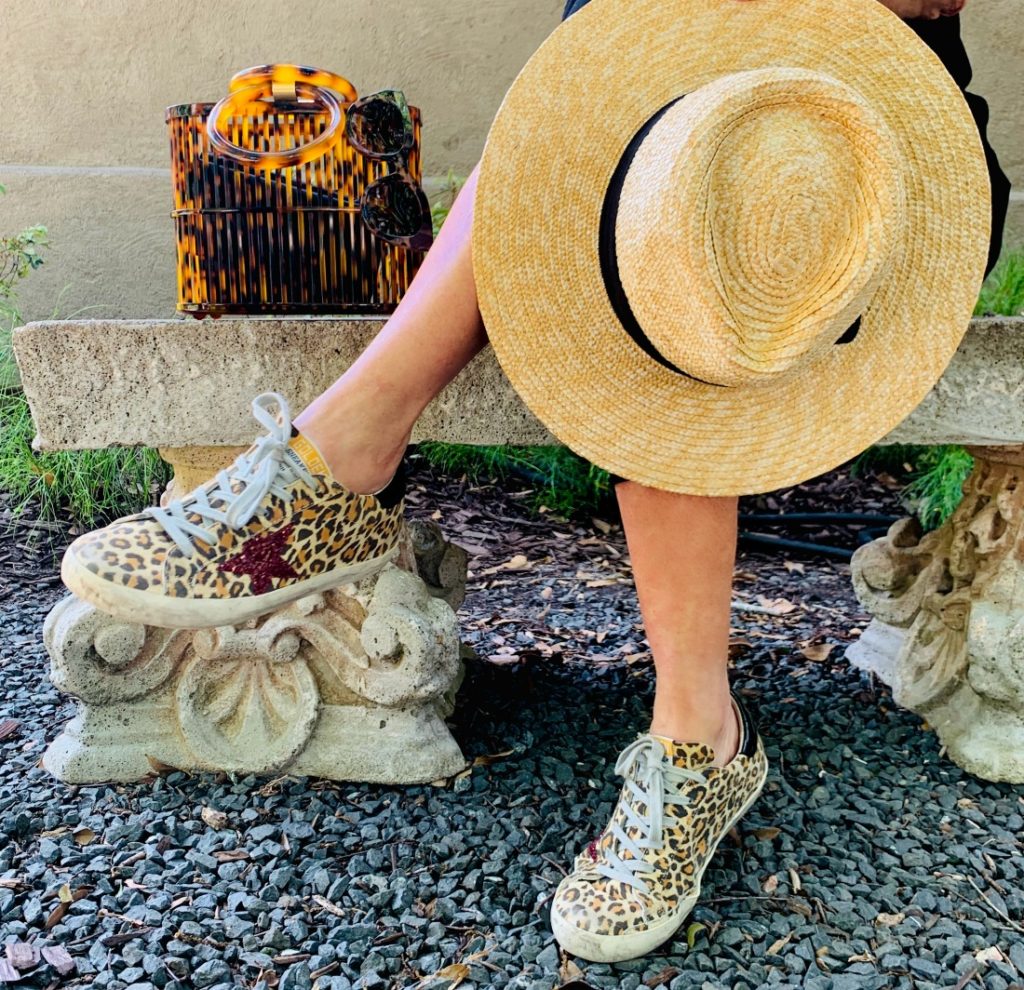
[(633, 945), (151, 608)]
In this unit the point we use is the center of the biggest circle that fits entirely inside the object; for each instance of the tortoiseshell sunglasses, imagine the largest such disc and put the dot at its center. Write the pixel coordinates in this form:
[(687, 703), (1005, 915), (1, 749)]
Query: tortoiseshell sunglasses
[(395, 208)]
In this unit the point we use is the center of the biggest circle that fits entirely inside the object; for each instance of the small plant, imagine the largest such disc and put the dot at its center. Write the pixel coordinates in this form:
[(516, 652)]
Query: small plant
[(936, 487), (19, 255), (90, 486), (935, 476)]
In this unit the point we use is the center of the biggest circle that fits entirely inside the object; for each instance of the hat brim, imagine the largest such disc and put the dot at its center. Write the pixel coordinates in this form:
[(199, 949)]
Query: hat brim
[(550, 154)]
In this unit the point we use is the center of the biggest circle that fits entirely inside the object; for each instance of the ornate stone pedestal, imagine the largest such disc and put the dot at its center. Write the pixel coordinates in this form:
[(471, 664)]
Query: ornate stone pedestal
[(948, 633), (353, 684), (350, 685)]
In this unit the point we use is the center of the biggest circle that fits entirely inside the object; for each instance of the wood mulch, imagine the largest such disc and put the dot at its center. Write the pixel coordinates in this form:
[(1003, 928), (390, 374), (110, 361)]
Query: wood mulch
[(550, 588), (544, 587)]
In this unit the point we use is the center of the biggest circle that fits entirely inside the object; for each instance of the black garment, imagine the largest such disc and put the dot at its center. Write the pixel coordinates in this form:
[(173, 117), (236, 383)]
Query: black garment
[(942, 36)]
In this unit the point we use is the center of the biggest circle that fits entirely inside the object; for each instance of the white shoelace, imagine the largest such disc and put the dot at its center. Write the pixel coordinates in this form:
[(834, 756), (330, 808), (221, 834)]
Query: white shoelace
[(655, 783), (262, 469)]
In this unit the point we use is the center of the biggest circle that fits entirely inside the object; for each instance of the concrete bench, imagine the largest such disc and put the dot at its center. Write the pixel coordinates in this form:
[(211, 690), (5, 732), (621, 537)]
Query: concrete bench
[(949, 605)]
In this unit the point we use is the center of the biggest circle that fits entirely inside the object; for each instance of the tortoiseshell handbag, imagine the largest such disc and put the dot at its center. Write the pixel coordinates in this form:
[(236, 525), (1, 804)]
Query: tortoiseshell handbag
[(292, 195)]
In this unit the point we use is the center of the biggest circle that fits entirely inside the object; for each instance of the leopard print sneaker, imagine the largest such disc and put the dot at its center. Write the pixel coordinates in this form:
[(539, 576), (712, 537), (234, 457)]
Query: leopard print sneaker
[(273, 527), (634, 885)]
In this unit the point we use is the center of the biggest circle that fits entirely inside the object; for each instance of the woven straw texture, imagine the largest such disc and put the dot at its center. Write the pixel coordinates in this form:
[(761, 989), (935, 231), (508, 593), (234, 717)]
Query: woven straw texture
[(755, 223)]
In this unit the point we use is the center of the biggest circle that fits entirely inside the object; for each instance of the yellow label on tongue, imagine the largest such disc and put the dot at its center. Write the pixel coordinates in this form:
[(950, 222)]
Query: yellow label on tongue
[(309, 455)]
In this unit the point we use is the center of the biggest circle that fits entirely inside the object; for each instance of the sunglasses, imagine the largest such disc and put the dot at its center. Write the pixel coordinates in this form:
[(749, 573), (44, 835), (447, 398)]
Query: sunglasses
[(394, 207)]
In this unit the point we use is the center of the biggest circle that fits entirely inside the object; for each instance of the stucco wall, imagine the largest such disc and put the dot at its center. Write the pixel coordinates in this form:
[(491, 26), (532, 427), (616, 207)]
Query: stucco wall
[(85, 83)]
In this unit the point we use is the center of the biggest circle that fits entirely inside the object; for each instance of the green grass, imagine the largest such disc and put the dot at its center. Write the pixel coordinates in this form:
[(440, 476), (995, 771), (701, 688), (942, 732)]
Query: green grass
[(935, 476), (1003, 291), (936, 487), (88, 486), (563, 482)]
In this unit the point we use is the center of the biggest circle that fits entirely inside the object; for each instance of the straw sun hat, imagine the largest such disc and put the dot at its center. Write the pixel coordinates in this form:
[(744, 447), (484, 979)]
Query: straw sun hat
[(720, 246)]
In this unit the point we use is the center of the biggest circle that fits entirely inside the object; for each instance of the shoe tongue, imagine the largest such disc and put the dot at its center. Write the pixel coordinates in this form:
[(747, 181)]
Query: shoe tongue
[(301, 450), (691, 756)]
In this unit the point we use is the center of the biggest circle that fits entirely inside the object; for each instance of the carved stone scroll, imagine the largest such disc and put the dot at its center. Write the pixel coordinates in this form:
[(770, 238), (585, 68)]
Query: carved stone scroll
[(948, 628)]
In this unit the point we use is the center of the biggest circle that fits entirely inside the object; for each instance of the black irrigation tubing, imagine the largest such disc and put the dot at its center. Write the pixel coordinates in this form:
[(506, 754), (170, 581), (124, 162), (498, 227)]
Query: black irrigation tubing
[(782, 543), (820, 517), (874, 524)]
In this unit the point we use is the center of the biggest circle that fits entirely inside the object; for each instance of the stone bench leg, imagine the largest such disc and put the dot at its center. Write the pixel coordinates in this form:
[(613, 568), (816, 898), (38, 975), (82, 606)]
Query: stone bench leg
[(948, 632), (353, 684)]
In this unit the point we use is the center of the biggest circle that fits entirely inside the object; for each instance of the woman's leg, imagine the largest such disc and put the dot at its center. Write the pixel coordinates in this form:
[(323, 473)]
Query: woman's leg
[(267, 542), (635, 883), (683, 549), (363, 422)]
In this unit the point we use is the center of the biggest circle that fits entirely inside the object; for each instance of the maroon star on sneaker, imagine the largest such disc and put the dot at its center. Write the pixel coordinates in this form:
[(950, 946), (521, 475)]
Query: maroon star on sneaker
[(261, 558)]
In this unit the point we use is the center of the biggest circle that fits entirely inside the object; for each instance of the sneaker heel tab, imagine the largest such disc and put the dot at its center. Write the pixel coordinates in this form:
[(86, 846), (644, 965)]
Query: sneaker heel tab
[(394, 491), (748, 728)]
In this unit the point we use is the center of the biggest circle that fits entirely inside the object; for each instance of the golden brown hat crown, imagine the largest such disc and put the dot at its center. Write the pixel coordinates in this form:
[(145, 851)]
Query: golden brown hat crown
[(755, 221)]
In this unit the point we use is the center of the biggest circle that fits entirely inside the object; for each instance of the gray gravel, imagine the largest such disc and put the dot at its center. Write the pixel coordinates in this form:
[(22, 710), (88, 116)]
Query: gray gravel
[(870, 862)]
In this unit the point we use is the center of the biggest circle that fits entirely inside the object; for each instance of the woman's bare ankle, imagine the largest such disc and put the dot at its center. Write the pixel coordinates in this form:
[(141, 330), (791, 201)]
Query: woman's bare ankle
[(719, 731), (364, 477), (361, 428), (360, 465)]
